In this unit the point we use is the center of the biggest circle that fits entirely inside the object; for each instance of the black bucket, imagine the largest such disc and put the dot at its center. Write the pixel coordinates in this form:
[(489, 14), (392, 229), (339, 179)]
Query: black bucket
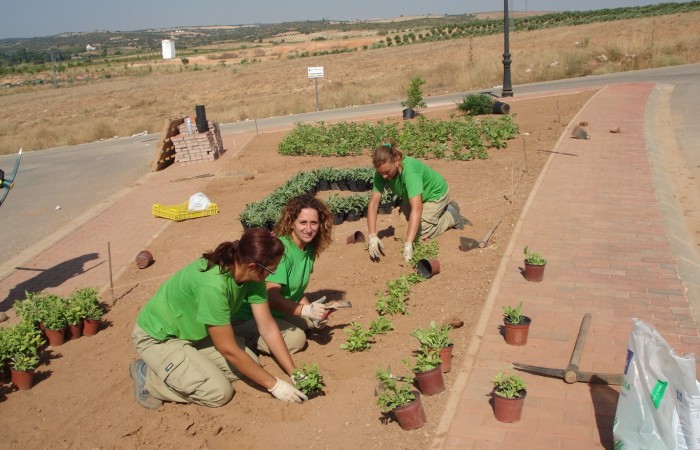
[(202, 125), (408, 113), (501, 108)]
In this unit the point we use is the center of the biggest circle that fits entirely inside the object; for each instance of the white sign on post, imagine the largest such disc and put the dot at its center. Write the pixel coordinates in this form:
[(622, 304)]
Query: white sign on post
[(315, 72)]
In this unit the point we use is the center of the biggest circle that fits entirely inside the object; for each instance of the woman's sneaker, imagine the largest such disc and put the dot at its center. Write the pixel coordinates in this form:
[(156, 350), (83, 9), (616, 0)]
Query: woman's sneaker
[(453, 208), (137, 370)]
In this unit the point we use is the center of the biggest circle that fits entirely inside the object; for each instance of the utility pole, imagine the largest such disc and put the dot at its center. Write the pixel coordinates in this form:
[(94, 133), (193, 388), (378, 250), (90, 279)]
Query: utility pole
[(507, 87)]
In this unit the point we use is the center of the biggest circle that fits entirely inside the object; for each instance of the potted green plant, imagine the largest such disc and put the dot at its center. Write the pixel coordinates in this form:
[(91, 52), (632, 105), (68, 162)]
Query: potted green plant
[(534, 265), (428, 372), (52, 314), (436, 337), (88, 301), (74, 317), (28, 309), (20, 347), (308, 379), (414, 98), (395, 396), (508, 396), (516, 325)]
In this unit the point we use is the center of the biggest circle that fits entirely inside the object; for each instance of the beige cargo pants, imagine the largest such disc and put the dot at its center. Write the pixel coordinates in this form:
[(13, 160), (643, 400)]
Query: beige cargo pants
[(187, 372), (434, 221)]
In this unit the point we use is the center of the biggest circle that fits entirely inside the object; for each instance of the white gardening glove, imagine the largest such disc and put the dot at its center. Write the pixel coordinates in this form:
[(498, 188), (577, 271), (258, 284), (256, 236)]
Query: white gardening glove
[(315, 310), (407, 251), (376, 248), (286, 392)]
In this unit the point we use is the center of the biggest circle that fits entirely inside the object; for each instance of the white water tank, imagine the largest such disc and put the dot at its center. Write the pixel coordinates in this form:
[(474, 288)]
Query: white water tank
[(168, 49)]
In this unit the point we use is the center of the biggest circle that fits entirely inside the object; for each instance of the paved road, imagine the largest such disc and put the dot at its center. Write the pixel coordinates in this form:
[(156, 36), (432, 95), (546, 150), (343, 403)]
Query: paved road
[(59, 189)]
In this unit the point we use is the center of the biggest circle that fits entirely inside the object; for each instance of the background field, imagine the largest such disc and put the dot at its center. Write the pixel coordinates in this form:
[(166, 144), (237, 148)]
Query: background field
[(261, 81)]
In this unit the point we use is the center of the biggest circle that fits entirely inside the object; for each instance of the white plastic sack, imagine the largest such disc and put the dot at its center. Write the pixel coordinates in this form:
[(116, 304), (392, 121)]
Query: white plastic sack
[(659, 404), (199, 202)]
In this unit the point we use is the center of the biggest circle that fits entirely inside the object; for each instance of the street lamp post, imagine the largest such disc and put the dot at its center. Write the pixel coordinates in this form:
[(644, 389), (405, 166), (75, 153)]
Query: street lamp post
[(507, 87)]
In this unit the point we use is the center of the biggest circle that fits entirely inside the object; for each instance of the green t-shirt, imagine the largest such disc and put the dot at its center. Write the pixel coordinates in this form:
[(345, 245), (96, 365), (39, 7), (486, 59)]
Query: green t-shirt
[(416, 178), (293, 274), (192, 299)]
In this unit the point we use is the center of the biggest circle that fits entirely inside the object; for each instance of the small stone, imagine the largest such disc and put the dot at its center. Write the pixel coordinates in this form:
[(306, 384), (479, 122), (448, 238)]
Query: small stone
[(615, 130), (583, 123), (3, 316)]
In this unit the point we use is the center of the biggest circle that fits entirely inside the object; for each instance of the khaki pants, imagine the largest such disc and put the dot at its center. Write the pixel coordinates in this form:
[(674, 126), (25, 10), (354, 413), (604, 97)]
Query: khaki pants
[(293, 330), (435, 219), (187, 372)]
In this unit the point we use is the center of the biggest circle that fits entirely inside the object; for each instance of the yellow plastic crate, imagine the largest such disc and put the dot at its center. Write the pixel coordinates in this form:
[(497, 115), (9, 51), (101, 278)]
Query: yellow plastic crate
[(182, 212)]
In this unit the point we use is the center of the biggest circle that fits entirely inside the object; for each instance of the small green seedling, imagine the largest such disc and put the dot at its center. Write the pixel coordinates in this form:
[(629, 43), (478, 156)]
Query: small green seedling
[(380, 325), (514, 316), (508, 385), (393, 392), (435, 336), (358, 338), (534, 258), (308, 379)]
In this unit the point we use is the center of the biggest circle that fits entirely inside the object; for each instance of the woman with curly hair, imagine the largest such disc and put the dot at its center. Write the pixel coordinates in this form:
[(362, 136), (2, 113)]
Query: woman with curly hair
[(304, 227)]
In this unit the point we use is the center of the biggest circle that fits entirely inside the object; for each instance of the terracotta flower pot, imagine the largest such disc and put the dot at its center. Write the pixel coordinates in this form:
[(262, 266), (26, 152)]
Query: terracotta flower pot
[(55, 337), (428, 267), (74, 331), (534, 272), (508, 410), (90, 327), (412, 415), (431, 382), (446, 358), (144, 259), (24, 380), (357, 236), (516, 334)]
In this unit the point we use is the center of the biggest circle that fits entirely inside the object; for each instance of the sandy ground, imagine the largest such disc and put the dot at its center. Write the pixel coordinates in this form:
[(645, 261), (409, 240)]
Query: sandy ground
[(83, 397)]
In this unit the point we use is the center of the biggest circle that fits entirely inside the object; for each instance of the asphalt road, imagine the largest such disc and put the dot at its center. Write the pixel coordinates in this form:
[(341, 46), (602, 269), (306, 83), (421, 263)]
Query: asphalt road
[(59, 189)]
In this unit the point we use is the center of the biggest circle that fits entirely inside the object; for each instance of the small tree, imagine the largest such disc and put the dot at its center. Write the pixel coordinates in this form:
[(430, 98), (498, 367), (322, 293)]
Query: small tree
[(414, 94)]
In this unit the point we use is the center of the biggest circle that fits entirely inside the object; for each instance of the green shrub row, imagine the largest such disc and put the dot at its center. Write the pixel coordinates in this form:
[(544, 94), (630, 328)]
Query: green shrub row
[(264, 213), (463, 139)]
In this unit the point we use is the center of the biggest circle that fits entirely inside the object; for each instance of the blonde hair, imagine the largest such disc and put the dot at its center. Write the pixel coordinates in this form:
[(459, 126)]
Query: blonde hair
[(388, 151)]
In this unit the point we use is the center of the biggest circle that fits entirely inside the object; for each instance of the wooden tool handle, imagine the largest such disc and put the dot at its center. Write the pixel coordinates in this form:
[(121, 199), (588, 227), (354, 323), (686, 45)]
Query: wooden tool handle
[(570, 375)]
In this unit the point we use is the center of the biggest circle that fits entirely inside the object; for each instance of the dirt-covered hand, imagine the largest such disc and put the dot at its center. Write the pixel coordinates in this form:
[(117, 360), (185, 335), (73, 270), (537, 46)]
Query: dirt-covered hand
[(315, 310), (407, 251), (286, 392), (376, 248)]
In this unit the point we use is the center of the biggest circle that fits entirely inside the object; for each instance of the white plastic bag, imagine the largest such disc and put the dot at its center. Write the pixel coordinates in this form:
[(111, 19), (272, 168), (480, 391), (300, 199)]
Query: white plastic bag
[(659, 404), (199, 202)]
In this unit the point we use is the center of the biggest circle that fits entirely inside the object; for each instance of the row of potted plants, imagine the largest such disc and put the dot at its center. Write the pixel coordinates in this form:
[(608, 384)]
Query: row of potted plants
[(46, 318), (264, 213), (396, 394), (509, 389)]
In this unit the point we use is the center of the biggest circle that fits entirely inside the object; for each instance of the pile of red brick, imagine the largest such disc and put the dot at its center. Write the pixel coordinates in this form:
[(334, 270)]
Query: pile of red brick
[(191, 148)]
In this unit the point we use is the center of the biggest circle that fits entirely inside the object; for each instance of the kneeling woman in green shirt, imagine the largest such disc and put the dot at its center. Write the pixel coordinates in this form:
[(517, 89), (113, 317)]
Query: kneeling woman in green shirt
[(304, 227), (424, 194), (184, 336)]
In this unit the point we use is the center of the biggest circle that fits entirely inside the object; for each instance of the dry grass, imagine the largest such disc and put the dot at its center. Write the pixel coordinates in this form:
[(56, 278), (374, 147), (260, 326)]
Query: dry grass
[(128, 99)]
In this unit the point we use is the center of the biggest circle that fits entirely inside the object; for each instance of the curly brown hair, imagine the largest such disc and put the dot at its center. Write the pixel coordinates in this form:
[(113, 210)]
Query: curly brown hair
[(291, 211)]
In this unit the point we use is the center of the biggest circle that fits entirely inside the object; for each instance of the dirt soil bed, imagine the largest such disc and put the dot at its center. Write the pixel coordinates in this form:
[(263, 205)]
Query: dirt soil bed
[(83, 397)]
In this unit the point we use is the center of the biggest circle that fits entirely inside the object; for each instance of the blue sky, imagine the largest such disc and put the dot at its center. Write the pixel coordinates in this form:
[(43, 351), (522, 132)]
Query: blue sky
[(33, 18)]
